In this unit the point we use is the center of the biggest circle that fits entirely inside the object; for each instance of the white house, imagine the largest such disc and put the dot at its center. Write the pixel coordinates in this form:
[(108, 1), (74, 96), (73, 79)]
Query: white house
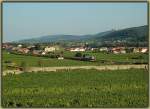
[(144, 50), (123, 51), (118, 50), (77, 49), (136, 50), (49, 49), (92, 49), (60, 58), (103, 49), (19, 45), (43, 53)]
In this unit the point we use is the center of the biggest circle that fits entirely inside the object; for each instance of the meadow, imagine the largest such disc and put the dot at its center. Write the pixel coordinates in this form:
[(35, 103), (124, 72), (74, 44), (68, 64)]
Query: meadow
[(127, 57), (46, 61), (76, 88)]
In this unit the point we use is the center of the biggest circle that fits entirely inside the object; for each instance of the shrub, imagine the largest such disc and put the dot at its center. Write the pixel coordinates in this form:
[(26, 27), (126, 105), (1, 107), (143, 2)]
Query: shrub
[(23, 65), (78, 54)]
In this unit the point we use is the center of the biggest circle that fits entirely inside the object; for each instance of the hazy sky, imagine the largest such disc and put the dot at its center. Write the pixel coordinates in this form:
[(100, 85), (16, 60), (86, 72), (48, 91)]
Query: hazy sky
[(30, 20)]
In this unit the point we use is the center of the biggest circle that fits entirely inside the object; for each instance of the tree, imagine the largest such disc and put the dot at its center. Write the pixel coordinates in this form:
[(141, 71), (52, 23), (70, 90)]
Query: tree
[(37, 46), (39, 63), (78, 54), (61, 54), (23, 66)]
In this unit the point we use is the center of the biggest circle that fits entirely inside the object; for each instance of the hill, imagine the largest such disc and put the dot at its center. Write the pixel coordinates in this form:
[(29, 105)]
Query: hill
[(134, 34), (60, 38), (129, 34)]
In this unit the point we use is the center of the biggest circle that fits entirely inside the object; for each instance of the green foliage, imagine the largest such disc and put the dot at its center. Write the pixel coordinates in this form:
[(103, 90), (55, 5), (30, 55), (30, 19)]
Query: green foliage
[(53, 61), (129, 50), (40, 63), (78, 54), (134, 36), (23, 65), (37, 46), (77, 88)]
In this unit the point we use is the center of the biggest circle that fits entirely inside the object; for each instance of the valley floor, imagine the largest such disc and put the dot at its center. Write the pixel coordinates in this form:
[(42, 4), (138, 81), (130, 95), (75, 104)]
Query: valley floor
[(77, 88)]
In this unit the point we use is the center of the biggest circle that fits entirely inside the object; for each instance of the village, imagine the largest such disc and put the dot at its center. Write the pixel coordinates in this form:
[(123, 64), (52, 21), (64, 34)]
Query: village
[(44, 50), (72, 56)]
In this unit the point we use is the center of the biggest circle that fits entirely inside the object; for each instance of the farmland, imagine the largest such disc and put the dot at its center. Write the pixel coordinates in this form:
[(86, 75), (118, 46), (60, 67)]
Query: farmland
[(77, 88), (128, 57), (33, 61), (46, 61)]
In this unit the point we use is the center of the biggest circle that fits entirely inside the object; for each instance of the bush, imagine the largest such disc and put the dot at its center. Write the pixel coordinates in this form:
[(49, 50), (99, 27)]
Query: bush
[(23, 65), (78, 54), (39, 63), (52, 56)]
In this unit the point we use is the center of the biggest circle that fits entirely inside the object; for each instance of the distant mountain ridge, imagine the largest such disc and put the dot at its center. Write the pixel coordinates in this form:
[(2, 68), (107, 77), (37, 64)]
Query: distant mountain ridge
[(129, 34)]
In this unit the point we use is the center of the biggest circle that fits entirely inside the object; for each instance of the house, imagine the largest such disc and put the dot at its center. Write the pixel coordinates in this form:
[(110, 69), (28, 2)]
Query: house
[(118, 50), (9, 47), (77, 49), (136, 50), (43, 53), (103, 49), (23, 50), (60, 58), (31, 47), (140, 50), (67, 49), (36, 52), (92, 49), (15, 48), (50, 49), (5, 46), (115, 50), (144, 50), (19, 45), (88, 48), (123, 51)]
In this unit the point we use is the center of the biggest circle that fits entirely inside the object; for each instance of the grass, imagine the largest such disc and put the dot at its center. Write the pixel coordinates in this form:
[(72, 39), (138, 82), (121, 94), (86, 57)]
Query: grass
[(127, 57), (76, 88), (33, 61)]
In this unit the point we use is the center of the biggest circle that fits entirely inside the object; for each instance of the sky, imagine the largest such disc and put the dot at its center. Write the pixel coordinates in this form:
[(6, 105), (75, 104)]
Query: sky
[(31, 20)]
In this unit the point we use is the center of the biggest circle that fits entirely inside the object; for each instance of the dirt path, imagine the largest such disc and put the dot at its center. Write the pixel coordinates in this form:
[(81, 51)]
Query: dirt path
[(105, 67), (11, 72)]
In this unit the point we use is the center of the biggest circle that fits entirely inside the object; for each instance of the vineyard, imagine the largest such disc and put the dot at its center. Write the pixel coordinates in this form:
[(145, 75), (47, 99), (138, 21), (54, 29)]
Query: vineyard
[(76, 88)]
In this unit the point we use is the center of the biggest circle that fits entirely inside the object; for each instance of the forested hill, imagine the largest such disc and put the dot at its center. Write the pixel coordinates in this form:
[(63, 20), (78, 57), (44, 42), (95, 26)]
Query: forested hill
[(134, 34), (128, 34)]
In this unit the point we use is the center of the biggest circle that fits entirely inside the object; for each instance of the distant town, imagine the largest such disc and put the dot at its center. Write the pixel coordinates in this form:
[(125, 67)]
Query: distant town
[(46, 50)]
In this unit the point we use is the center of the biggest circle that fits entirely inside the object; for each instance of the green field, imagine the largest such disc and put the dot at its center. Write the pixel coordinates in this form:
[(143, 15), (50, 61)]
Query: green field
[(45, 61), (33, 61), (113, 57), (77, 88)]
